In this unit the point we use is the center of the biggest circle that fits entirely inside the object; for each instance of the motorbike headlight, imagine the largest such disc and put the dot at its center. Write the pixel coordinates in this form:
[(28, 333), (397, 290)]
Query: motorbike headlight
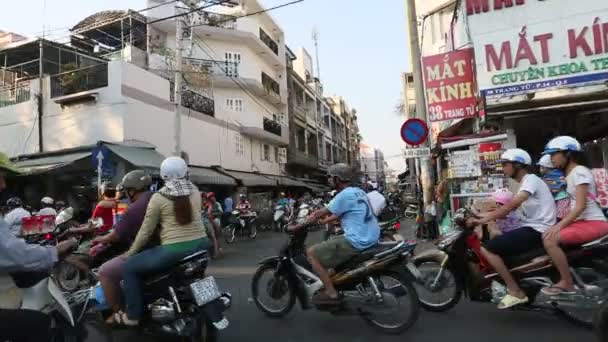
[(448, 239)]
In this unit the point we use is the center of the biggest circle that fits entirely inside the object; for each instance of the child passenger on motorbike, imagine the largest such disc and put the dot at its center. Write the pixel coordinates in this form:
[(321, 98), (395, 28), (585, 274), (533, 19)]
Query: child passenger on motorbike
[(585, 222), (556, 180), (175, 210), (537, 210)]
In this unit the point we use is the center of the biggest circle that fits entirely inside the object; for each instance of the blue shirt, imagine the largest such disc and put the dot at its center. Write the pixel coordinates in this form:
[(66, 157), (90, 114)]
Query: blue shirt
[(283, 202), (228, 204), (357, 217)]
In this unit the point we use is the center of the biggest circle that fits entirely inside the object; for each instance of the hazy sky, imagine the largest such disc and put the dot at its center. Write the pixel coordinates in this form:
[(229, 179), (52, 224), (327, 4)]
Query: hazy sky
[(363, 49)]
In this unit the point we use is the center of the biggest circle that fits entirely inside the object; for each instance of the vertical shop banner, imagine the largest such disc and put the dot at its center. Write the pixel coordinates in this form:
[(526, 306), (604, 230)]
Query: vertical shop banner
[(449, 85), (522, 47)]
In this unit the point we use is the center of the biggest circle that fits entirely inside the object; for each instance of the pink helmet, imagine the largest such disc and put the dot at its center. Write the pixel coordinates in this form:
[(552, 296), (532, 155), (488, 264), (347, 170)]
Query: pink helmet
[(502, 196)]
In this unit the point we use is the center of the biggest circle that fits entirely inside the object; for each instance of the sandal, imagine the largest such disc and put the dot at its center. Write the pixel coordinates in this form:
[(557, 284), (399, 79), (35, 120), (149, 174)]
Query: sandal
[(556, 290), (121, 319), (510, 301)]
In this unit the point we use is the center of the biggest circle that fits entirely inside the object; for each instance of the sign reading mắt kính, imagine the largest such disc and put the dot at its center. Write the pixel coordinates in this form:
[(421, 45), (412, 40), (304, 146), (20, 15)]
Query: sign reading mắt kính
[(449, 85), (523, 46)]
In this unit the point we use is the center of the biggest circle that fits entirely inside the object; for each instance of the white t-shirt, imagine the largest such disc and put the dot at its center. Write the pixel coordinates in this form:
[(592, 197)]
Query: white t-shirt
[(377, 201), (538, 211), (582, 175), (13, 219), (47, 212)]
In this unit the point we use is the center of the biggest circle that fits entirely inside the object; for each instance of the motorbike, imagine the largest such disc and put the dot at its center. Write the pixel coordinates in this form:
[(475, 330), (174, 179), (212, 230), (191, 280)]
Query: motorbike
[(373, 285), (457, 267), (239, 224), (280, 218), (411, 211), (181, 301), (72, 318)]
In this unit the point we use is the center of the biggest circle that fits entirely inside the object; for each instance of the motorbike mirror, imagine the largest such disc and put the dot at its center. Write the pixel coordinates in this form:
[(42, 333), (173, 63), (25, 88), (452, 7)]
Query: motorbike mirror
[(64, 216)]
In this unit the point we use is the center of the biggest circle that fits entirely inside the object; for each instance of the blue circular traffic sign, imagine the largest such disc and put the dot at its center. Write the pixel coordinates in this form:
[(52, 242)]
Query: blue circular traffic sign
[(414, 132)]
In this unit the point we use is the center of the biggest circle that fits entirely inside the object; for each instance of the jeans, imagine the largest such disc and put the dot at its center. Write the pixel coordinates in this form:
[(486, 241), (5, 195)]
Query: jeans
[(24, 326), (149, 262)]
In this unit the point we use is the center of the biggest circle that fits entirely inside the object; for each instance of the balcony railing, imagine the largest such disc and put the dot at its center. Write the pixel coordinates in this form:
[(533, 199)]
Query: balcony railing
[(265, 38), (79, 80), (12, 96), (221, 68), (198, 102), (272, 127), (215, 20), (270, 85)]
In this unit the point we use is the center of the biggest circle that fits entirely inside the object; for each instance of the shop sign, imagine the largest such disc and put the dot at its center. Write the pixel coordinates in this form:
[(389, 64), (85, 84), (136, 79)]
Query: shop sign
[(449, 85), (422, 152), (526, 46)]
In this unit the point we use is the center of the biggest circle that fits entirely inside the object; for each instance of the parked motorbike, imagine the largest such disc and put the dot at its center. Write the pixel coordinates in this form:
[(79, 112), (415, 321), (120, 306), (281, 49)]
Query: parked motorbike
[(411, 211), (373, 285), (458, 267), (239, 224), (72, 319), (181, 302)]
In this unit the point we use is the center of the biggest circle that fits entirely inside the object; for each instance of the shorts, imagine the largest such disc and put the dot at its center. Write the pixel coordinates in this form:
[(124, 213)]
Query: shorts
[(334, 252), (581, 232), (515, 242)]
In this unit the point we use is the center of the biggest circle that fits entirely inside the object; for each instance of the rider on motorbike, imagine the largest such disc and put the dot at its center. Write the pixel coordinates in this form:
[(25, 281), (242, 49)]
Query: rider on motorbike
[(175, 208), (16, 215), (585, 222), (361, 230), (136, 185), (17, 256), (538, 215), (47, 207)]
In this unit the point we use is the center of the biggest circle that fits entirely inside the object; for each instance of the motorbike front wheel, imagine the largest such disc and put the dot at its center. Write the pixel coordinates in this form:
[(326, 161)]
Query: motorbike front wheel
[(67, 276), (230, 233), (400, 298), (437, 295), (266, 282), (207, 332)]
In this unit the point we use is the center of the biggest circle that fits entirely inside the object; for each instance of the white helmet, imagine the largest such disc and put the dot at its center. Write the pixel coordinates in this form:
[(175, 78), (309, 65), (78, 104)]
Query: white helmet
[(516, 155), (563, 143), (173, 168), (47, 200), (545, 161)]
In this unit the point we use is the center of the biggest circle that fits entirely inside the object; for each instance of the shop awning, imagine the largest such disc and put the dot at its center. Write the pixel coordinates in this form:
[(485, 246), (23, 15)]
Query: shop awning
[(146, 158), (207, 176), (316, 187), (473, 141), (288, 182), (251, 179), (48, 163)]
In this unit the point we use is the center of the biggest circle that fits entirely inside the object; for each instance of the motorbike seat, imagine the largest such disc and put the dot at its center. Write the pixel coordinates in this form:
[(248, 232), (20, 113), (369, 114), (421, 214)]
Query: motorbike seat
[(162, 274), (368, 254)]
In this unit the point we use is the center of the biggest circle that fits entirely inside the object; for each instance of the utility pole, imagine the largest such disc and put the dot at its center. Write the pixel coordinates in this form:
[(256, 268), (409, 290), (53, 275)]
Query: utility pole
[(315, 38), (40, 94), (178, 88), (426, 168)]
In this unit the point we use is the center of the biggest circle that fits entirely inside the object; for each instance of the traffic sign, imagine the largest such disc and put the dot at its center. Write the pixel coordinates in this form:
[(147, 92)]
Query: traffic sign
[(101, 156), (422, 152), (414, 132)]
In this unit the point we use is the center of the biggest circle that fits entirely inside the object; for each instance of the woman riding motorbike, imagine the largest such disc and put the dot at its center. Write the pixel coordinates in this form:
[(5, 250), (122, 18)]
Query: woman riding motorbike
[(175, 208), (585, 222)]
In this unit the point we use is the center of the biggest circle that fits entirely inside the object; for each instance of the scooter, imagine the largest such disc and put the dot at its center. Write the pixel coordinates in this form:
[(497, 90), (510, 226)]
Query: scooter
[(457, 267), (240, 224), (280, 219)]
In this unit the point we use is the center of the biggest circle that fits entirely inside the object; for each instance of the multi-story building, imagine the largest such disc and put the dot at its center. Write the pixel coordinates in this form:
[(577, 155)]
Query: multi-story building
[(347, 129), (372, 165)]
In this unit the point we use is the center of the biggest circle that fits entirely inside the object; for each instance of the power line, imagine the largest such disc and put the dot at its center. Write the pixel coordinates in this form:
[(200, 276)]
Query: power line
[(215, 3)]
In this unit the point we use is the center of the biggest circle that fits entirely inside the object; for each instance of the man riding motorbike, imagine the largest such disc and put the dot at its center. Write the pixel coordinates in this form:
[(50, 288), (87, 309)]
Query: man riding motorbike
[(136, 186), (361, 230), (584, 223), (538, 215), (17, 256), (16, 215), (175, 208), (47, 207)]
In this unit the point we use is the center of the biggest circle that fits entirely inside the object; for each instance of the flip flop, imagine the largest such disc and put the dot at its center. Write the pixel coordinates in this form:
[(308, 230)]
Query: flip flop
[(510, 301), (322, 298), (556, 290)]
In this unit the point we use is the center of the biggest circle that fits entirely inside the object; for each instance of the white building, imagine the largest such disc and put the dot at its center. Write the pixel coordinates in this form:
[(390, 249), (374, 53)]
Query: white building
[(372, 164)]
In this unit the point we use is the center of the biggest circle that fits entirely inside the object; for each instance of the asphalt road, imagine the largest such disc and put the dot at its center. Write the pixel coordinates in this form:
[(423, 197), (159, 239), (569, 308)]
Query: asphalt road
[(471, 322)]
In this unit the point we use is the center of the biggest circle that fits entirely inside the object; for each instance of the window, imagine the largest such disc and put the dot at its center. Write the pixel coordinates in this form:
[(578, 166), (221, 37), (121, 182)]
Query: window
[(235, 105), (265, 152), (239, 149), (276, 154), (232, 61)]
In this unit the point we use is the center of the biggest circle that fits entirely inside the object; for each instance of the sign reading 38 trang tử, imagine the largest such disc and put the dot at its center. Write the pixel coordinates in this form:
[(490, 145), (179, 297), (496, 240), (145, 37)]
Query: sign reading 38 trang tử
[(449, 85), (422, 152)]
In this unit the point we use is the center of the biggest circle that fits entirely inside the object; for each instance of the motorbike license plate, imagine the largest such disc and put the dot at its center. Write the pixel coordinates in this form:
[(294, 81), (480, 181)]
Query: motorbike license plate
[(205, 291)]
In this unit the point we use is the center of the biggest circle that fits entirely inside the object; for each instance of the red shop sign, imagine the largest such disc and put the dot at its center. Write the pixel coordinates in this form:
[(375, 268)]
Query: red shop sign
[(450, 85)]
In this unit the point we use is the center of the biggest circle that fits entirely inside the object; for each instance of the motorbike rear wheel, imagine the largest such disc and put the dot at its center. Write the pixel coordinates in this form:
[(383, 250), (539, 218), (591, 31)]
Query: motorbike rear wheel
[(230, 233), (276, 288), (207, 333), (394, 285), (448, 289), (584, 317)]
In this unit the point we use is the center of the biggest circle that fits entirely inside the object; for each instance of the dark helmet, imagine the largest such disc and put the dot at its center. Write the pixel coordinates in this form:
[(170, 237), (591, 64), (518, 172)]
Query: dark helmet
[(137, 180), (14, 202), (342, 171)]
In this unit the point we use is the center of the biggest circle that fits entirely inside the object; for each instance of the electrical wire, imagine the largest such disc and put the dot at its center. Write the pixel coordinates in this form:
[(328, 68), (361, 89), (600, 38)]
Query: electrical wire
[(253, 13)]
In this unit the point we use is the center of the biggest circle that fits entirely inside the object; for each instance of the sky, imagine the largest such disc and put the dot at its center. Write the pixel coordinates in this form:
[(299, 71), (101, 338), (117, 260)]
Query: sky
[(363, 49)]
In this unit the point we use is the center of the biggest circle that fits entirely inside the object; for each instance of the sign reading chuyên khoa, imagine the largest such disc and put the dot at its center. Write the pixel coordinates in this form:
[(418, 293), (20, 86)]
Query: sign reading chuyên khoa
[(449, 84), (526, 46)]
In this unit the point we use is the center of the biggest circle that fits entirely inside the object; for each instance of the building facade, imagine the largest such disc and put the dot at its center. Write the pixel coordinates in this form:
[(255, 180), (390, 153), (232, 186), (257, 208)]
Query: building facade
[(372, 165)]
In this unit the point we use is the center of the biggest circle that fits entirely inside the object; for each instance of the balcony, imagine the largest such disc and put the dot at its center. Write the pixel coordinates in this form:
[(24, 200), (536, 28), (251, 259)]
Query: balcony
[(272, 45), (80, 80), (197, 102), (297, 157), (15, 95), (270, 85), (216, 68), (271, 132), (272, 126), (204, 18)]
